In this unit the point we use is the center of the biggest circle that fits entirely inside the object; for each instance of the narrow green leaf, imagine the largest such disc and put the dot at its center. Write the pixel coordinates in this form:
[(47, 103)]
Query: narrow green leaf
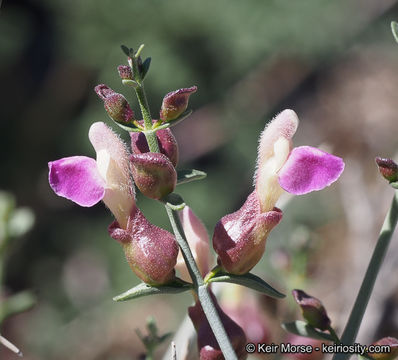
[(145, 67), (174, 201), (249, 280), (125, 49), (186, 176), (128, 127), (301, 328), (16, 304), (176, 287), (182, 117), (394, 29), (394, 184)]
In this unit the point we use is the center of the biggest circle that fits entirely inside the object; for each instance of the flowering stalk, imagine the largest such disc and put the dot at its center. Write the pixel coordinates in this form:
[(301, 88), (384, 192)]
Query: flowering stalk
[(200, 287), (361, 302)]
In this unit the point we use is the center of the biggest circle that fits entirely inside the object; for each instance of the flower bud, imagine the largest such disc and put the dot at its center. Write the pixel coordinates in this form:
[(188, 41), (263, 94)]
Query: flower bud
[(153, 174), (175, 103), (388, 168), (207, 343), (115, 104), (166, 141), (198, 241), (150, 251), (125, 72), (239, 238), (392, 354), (313, 311)]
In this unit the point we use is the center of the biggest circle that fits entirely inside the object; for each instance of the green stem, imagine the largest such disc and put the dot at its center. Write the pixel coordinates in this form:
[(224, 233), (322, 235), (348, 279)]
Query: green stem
[(334, 335), (361, 302), (200, 288)]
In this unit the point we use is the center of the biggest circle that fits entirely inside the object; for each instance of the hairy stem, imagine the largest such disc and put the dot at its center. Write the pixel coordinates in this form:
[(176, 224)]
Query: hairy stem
[(201, 288), (361, 302)]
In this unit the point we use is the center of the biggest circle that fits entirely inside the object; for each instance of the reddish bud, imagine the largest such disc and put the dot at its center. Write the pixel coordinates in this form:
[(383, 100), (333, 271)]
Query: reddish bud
[(313, 310), (166, 141), (388, 168), (125, 72), (207, 343), (150, 251), (392, 343), (175, 103), (153, 174), (115, 104), (239, 238)]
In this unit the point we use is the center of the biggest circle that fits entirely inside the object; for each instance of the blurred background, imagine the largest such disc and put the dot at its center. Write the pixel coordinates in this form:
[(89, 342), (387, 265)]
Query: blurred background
[(334, 62)]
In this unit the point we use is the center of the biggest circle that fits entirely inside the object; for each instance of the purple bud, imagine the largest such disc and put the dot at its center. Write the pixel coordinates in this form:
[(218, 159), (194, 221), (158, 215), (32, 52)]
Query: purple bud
[(392, 354), (150, 251), (239, 238), (175, 103), (125, 72), (207, 343), (115, 104), (153, 174), (388, 168), (313, 310), (166, 141)]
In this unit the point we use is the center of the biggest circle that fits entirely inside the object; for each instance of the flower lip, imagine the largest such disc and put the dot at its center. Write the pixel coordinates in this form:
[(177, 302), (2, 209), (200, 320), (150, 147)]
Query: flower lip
[(309, 169), (77, 178)]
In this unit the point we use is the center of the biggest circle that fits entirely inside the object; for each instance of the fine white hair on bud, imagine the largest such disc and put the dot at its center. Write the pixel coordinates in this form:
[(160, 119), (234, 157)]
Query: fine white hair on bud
[(273, 150)]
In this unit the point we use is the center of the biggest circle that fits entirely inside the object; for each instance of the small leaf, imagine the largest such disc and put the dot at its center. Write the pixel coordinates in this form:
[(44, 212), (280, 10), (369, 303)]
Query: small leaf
[(249, 280), (125, 49), (394, 28), (16, 304), (175, 287), (301, 328), (186, 176), (174, 122), (128, 127), (145, 67), (130, 83), (174, 201)]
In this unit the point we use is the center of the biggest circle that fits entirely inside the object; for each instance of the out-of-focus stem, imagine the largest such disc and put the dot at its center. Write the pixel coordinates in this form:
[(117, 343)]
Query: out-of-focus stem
[(361, 302)]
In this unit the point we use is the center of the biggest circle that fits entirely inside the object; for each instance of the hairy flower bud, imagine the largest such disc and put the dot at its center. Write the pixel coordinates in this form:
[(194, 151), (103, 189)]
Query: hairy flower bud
[(207, 343), (115, 104), (166, 141), (153, 174), (313, 310), (150, 251), (175, 103), (388, 168), (387, 341), (125, 72), (198, 241), (239, 238)]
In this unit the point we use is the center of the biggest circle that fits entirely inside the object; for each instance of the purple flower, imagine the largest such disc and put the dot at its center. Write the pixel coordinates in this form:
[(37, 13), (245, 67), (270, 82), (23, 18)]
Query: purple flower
[(239, 238), (87, 181)]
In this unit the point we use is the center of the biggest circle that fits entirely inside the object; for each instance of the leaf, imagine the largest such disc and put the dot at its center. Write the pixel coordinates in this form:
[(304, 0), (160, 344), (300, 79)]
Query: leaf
[(125, 49), (16, 304), (394, 29), (301, 328), (182, 117), (145, 67), (249, 280), (394, 184), (174, 201), (175, 287), (186, 176), (128, 127)]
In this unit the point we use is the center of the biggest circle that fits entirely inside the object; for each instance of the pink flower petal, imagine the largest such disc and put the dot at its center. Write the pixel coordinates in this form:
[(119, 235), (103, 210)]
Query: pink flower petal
[(309, 169), (77, 178)]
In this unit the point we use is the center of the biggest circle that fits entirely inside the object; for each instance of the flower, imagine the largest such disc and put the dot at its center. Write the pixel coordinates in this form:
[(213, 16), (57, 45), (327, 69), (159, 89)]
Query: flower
[(150, 251), (198, 241), (87, 181), (175, 103), (207, 343), (239, 238)]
